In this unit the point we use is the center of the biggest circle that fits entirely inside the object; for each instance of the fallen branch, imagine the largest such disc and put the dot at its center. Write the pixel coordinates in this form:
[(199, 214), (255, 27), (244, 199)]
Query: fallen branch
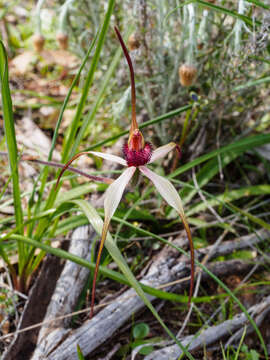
[(165, 269)]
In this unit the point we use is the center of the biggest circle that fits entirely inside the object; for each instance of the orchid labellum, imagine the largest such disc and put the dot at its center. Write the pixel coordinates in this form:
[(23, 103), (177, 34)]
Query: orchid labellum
[(136, 155)]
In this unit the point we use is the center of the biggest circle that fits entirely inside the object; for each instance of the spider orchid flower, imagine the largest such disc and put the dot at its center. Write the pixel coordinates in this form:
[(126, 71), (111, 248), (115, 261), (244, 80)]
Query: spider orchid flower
[(137, 154)]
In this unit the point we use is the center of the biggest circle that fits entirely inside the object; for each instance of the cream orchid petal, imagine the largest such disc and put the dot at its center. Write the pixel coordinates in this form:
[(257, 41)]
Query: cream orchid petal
[(115, 191), (113, 196), (165, 188), (109, 157), (162, 151), (169, 193)]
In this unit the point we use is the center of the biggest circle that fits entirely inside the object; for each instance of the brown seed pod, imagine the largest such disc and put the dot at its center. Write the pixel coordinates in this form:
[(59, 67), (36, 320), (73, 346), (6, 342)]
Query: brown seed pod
[(133, 42), (187, 74), (62, 40), (38, 42)]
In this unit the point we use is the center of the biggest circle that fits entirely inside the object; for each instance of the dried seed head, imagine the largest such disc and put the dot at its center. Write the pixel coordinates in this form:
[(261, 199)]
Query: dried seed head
[(187, 74), (62, 40), (200, 45), (133, 42), (38, 42)]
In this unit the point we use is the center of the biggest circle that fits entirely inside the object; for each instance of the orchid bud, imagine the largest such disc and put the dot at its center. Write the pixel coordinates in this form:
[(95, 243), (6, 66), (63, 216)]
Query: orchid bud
[(62, 39), (187, 74), (38, 42), (133, 42)]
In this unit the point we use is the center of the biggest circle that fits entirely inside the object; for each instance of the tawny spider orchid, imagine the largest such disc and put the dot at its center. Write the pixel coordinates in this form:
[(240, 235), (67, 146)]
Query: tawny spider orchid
[(137, 153)]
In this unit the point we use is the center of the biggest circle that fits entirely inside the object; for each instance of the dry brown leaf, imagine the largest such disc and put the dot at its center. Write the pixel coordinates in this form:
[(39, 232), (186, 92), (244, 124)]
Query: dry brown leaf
[(23, 63)]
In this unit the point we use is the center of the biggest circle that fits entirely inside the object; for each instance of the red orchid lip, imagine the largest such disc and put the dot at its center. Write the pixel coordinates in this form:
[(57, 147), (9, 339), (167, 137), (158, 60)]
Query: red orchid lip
[(137, 157)]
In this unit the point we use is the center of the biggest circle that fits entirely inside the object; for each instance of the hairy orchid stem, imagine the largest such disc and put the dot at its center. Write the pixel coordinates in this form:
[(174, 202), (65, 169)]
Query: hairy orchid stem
[(134, 124), (103, 238), (192, 257), (92, 177)]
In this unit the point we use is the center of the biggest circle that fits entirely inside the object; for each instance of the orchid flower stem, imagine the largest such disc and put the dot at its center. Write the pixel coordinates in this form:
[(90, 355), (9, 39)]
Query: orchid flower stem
[(134, 124), (92, 177), (103, 238), (192, 257)]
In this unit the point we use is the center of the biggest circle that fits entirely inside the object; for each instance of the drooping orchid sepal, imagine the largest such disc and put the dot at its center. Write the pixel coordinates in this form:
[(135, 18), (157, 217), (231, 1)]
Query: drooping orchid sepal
[(171, 196), (112, 199), (92, 177)]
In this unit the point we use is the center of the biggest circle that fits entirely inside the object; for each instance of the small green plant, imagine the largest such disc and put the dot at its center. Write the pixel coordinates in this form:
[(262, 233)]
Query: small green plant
[(79, 353), (140, 332), (249, 354)]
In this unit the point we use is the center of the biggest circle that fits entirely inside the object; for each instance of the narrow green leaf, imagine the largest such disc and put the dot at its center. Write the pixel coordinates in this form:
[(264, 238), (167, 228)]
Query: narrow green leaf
[(241, 145), (264, 80), (141, 126), (99, 98), (259, 3), (10, 133), (226, 11), (251, 217), (221, 10), (11, 146), (208, 171), (230, 196), (79, 353), (69, 151), (76, 121)]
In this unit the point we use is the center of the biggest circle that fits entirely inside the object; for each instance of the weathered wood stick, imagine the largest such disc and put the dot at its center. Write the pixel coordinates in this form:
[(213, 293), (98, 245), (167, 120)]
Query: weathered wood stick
[(212, 334), (66, 294), (166, 268)]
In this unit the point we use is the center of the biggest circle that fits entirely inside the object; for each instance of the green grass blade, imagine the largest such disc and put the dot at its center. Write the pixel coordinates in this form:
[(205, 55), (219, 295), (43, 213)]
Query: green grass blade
[(230, 196), (75, 123), (145, 124), (74, 82), (208, 171), (11, 146), (99, 99), (67, 153), (79, 353), (263, 80), (45, 172), (260, 4), (226, 11), (10, 133), (242, 145), (221, 10), (251, 217)]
